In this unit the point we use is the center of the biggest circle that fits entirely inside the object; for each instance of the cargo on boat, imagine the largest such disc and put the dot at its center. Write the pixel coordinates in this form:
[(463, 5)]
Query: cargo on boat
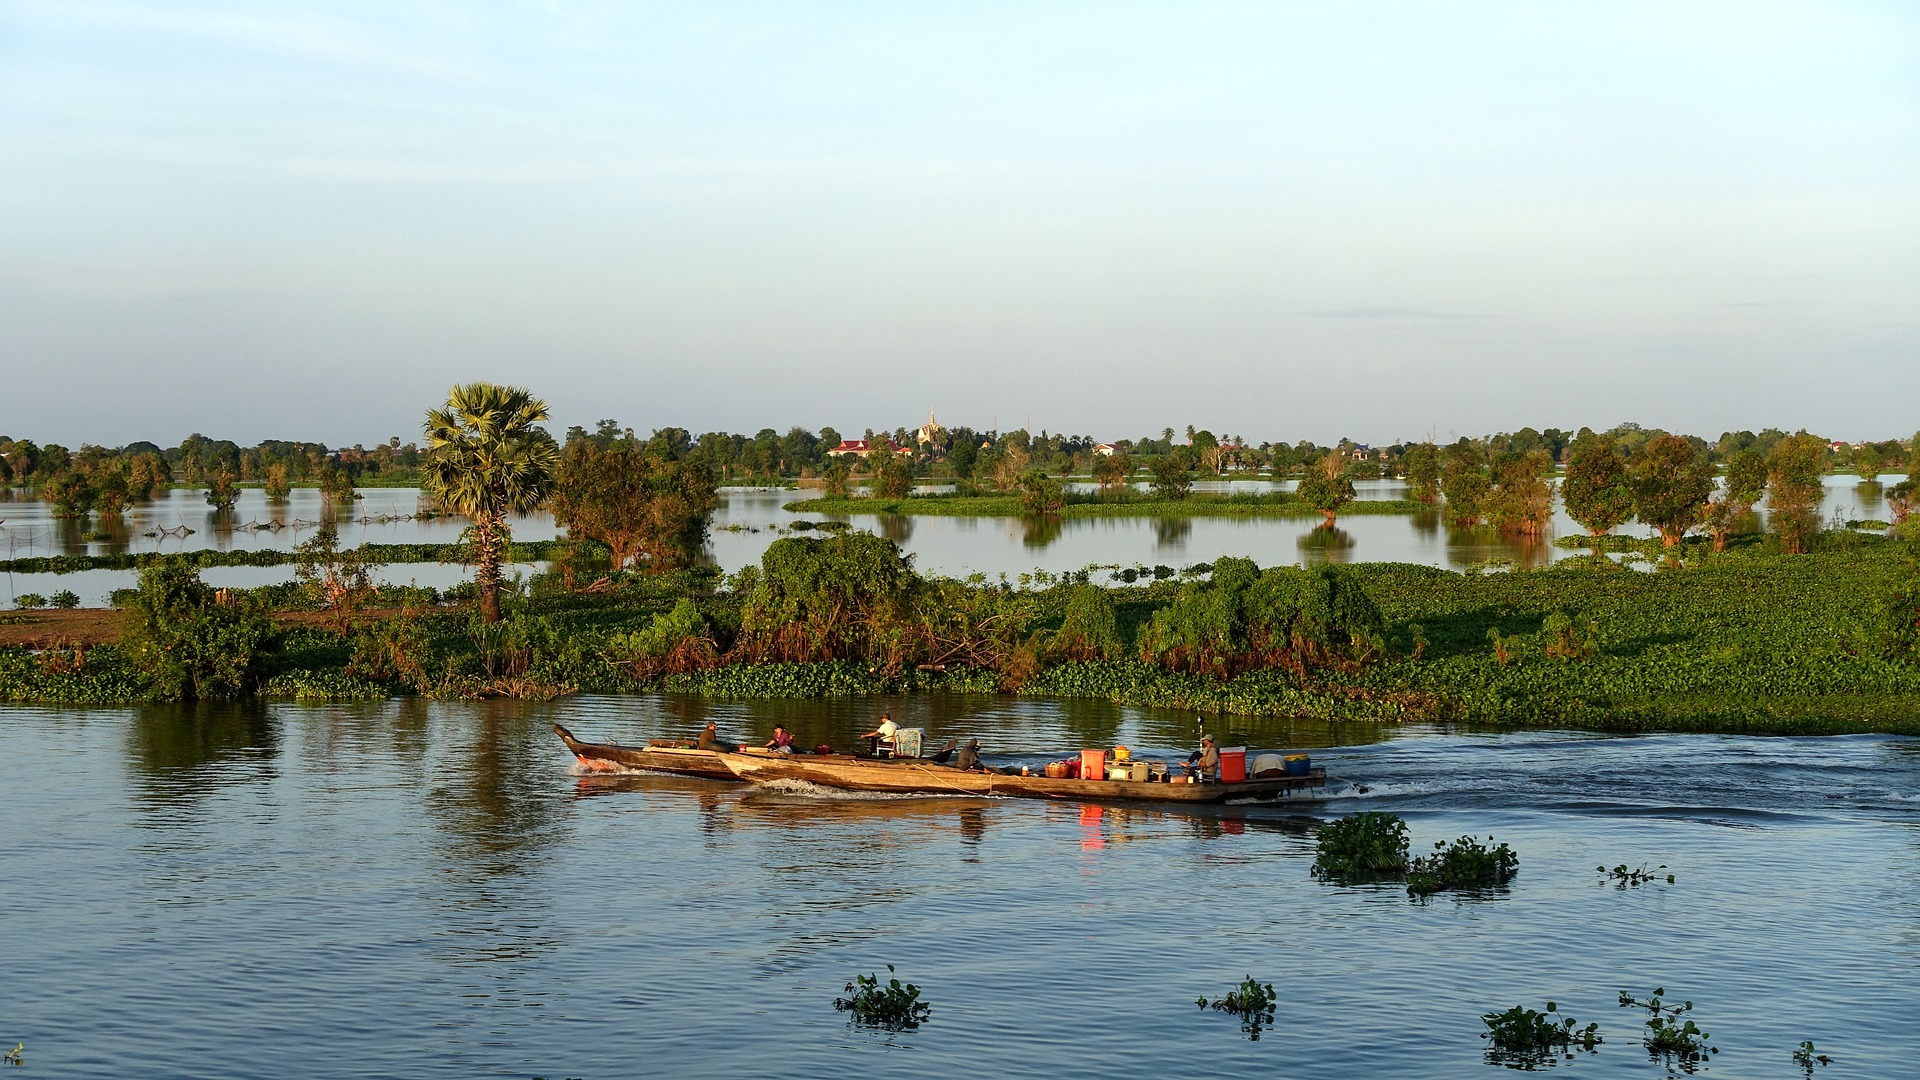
[(660, 755)]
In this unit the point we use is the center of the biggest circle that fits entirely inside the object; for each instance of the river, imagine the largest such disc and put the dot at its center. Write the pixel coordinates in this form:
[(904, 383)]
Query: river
[(416, 889)]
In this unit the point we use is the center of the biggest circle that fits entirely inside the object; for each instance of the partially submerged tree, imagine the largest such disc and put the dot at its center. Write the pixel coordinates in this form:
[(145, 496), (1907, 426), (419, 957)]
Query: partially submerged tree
[(1672, 481), (278, 487), (1746, 481), (1794, 468), (1465, 482), (1421, 464), (487, 457), (1521, 502), (1110, 471), (222, 490), (1172, 477), (892, 473), (1597, 491), (634, 502), (1326, 487)]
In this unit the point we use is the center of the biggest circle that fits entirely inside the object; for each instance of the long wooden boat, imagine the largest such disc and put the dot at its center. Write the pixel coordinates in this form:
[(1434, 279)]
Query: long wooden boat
[(656, 757), (918, 776)]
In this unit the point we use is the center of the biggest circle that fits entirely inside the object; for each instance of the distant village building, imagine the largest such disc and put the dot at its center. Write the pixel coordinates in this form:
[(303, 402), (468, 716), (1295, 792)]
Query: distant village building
[(1106, 449), (863, 447), (930, 431)]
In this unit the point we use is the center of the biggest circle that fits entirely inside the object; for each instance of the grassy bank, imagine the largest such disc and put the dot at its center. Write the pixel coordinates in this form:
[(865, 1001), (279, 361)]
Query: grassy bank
[(528, 552), (1748, 641)]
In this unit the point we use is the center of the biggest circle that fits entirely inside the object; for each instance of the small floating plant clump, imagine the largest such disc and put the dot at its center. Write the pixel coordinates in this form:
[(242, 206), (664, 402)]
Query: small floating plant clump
[(1525, 1038), (1362, 847), (18, 1055), (1252, 1001), (1624, 876), (1464, 864), (895, 1006), (1806, 1056), (1672, 1038)]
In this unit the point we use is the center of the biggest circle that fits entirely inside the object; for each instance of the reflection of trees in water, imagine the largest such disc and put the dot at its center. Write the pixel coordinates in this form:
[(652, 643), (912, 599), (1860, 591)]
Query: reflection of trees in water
[(1425, 522), (174, 751), (895, 527), (1091, 722), (1326, 544), (1171, 532), (488, 796), (1869, 494), (1040, 530), (1473, 545)]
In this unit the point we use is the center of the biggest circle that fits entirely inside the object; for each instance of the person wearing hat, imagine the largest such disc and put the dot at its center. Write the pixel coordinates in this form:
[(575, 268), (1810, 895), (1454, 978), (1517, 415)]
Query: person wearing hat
[(969, 759), (880, 742), (1204, 764), (710, 740)]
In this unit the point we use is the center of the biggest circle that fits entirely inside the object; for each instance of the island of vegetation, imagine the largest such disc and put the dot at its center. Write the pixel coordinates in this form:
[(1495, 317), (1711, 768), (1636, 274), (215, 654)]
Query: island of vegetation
[(1804, 627)]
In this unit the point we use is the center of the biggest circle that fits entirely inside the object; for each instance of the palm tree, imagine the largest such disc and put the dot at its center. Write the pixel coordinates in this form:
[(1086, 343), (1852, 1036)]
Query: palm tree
[(487, 459)]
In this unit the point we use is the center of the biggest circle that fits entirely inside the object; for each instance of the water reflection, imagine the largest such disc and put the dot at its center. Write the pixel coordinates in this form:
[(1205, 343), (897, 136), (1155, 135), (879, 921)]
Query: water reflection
[(1040, 530), (1326, 544), (895, 527), (1170, 534), (1869, 495), (180, 754)]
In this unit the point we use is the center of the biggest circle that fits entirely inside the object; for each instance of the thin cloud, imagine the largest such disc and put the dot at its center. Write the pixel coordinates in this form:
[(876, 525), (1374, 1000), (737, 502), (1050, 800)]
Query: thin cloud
[(1390, 313)]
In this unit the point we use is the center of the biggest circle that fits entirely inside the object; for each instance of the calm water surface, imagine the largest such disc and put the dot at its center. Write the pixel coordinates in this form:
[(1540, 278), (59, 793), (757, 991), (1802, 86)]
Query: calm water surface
[(413, 889), (749, 519)]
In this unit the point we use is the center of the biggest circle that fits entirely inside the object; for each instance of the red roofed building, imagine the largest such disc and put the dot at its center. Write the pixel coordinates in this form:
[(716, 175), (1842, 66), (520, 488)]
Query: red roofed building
[(863, 447)]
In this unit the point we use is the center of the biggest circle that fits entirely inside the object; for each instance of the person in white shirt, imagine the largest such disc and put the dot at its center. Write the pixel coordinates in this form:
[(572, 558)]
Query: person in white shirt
[(882, 737)]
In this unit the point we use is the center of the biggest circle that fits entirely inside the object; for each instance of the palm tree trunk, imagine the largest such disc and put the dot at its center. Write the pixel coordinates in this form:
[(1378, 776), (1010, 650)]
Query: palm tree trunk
[(486, 543)]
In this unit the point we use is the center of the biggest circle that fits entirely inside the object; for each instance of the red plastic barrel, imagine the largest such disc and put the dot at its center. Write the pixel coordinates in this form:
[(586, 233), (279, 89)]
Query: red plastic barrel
[(1233, 764), (1093, 765)]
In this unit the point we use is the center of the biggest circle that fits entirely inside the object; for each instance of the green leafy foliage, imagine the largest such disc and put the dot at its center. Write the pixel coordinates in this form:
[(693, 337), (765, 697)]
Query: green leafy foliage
[(1090, 630), (193, 642), (1362, 847), (1244, 618), (1806, 1056), (1672, 480), (1526, 1038), (1462, 864), (1252, 1001), (27, 601), (1597, 492), (66, 599), (634, 502), (1041, 494), (1672, 1038), (1326, 487), (894, 1006), (1632, 877)]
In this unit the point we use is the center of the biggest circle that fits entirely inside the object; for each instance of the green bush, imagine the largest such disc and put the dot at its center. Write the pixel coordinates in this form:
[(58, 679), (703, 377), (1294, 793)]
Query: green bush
[(1525, 1039), (66, 598), (1464, 864), (1252, 1001), (190, 643), (894, 1006), (1361, 847), (1091, 628), (27, 601)]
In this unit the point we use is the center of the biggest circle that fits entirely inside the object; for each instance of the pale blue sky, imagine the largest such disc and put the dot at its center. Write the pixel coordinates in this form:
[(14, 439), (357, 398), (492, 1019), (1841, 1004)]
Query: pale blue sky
[(1278, 220)]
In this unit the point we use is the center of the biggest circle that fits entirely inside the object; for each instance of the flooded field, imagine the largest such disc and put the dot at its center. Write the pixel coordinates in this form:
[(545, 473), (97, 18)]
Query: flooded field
[(746, 519)]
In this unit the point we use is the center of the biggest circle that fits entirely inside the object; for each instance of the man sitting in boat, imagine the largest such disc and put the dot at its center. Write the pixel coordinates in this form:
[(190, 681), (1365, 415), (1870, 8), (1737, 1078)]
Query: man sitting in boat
[(782, 741), (1204, 764), (968, 759), (710, 740), (880, 739)]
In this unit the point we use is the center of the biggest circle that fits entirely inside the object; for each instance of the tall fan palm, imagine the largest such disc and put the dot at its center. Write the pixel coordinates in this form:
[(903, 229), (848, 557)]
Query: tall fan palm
[(486, 458)]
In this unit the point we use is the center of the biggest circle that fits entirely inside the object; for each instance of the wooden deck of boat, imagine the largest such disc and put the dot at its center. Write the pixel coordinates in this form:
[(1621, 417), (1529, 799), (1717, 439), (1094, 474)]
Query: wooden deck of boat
[(613, 757), (914, 776)]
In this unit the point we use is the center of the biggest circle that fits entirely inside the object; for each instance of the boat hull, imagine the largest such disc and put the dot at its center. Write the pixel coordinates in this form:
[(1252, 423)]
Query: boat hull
[(614, 758), (915, 777)]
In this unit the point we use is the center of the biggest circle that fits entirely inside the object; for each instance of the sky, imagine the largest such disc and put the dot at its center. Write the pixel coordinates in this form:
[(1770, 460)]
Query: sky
[(1276, 220)]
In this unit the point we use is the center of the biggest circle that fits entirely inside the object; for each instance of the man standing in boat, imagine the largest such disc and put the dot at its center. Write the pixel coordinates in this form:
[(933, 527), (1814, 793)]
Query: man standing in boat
[(882, 736)]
